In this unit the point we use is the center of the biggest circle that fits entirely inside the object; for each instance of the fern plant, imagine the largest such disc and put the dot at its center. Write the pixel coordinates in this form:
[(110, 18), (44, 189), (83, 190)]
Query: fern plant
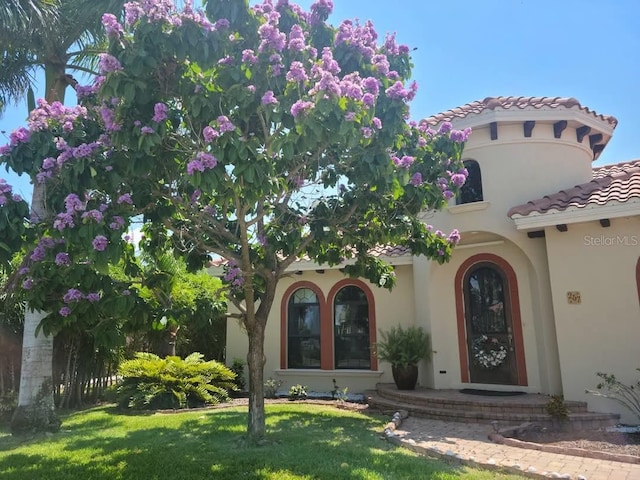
[(404, 347), (151, 382)]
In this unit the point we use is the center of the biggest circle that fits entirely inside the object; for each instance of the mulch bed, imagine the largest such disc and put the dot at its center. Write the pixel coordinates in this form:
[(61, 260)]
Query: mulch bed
[(619, 443)]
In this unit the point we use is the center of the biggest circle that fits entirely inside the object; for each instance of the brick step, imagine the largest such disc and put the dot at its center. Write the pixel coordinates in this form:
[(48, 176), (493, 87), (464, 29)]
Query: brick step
[(575, 422), (474, 403)]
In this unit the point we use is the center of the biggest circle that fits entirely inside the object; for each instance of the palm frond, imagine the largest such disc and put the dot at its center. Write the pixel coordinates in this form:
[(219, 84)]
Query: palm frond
[(16, 75), (16, 15)]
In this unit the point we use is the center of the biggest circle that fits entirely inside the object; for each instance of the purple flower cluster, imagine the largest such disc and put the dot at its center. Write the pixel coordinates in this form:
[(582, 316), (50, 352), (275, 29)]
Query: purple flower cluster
[(392, 48), (249, 56), (296, 39), (153, 10), (203, 161), (445, 128), (100, 243), (84, 150), (63, 259), (268, 98), (458, 179), (20, 135), (73, 295), (320, 10), (301, 107), (109, 63), (405, 162), (111, 25), (397, 90), (297, 72), (209, 134), (416, 179), (6, 193), (40, 251), (89, 215), (93, 297), (234, 275), (225, 125), (271, 38), (362, 38), (72, 205), (47, 115), (125, 198), (109, 118), (460, 136), (454, 237), (117, 223), (159, 112)]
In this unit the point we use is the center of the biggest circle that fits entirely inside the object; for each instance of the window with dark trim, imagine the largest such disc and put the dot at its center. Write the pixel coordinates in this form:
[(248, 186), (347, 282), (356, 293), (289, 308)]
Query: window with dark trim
[(471, 191), (351, 329), (303, 332)]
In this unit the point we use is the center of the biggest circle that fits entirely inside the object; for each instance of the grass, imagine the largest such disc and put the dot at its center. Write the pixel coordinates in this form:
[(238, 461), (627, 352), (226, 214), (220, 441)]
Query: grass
[(305, 442)]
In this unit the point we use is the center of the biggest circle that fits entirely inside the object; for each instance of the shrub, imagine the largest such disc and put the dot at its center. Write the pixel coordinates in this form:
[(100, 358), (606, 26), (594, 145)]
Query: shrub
[(237, 367), (626, 395), (298, 392), (151, 382), (8, 403), (557, 408), (271, 387), (337, 393)]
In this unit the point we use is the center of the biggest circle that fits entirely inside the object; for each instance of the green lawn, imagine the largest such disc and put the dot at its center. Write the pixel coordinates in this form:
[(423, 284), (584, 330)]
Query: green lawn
[(305, 441)]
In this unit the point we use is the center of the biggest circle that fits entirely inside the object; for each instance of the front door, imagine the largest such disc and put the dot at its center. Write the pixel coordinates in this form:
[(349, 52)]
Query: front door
[(489, 326)]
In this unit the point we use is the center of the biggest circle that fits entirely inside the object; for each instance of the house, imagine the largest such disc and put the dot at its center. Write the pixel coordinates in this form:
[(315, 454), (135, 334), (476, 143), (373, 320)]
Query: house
[(547, 271)]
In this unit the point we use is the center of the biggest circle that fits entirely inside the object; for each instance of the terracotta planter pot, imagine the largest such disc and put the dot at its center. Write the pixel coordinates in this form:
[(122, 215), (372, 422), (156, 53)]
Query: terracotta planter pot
[(405, 377)]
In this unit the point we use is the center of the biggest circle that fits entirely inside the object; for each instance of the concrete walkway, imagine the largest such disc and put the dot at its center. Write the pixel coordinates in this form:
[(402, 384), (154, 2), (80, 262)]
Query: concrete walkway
[(469, 443)]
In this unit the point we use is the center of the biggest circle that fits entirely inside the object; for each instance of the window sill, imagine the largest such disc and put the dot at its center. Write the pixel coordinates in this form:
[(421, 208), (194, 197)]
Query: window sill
[(328, 373), (468, 207)]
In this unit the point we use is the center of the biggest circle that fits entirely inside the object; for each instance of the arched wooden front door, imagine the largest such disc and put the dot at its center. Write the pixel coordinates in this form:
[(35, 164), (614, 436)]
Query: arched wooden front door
[(489, 326)]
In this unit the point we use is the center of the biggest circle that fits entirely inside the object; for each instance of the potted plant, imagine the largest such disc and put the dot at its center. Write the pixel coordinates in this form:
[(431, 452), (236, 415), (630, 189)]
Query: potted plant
[(403, 349)]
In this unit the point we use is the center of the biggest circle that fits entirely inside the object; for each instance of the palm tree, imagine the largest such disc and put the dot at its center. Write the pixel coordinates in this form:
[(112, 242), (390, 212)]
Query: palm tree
[(18, 17), (69, 42)]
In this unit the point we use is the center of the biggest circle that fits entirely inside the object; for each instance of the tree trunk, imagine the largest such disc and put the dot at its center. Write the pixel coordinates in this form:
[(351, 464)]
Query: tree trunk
[(170, 339), (35, 399), (255, 362), (35, 410)]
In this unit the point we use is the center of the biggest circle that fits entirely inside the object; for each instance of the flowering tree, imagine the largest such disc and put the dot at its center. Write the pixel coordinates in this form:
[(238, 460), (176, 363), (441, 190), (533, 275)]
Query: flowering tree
[(258, 134)]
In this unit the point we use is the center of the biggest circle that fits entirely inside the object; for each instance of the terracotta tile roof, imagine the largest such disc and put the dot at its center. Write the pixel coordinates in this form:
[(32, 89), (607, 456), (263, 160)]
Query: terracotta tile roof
[(491, 103), (611, 183), (616, 168)]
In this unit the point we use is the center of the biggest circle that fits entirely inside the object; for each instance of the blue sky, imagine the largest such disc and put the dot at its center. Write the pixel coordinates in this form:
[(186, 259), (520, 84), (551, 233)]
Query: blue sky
[(467, 50)]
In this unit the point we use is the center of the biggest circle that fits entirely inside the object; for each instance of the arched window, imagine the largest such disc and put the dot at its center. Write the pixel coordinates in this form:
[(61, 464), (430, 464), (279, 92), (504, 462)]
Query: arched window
[(471, 191), (351, 329), (303, 330)]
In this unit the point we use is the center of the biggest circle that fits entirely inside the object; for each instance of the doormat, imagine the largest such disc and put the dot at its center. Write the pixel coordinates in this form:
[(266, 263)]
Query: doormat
[(491, 393)]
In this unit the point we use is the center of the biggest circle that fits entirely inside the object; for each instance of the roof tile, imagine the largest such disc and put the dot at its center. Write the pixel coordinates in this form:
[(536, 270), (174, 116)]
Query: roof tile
[(611, 183), (491, 103)]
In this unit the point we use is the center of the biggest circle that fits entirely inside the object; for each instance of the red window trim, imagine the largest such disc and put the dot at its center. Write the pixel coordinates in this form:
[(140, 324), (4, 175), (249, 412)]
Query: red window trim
[(326, 320), (516, 319)]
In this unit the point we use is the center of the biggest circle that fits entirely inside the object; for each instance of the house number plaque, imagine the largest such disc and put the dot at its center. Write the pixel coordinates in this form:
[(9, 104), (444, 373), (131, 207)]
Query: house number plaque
[(573, 298)]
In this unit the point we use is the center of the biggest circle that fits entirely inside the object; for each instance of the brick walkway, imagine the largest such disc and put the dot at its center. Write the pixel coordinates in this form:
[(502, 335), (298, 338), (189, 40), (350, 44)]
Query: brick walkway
[(468, 443)]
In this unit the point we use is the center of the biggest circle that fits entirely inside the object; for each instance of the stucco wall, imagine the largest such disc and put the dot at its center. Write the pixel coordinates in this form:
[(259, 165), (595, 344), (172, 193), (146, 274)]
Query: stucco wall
[(391, 308), (602, 332), (516, 169)]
